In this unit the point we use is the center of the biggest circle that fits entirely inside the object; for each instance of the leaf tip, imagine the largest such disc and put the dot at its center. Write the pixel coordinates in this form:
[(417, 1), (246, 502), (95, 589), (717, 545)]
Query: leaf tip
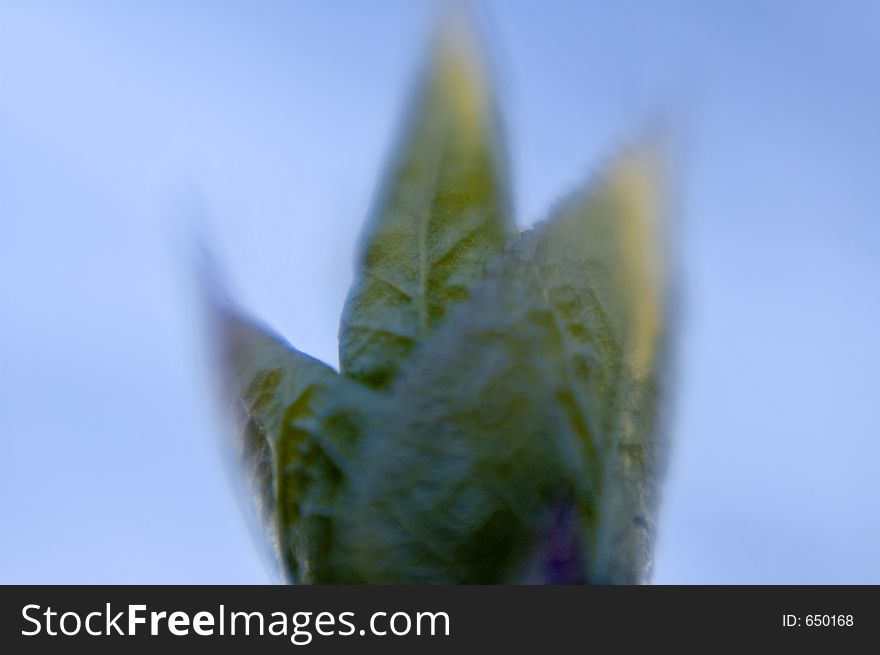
[(459, 67)]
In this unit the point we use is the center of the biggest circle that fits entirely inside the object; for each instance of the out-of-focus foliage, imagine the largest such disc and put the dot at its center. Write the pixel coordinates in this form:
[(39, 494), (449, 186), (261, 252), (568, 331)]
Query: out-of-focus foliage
[(495, 415), (442, 215), (299, 424), (535, 393)]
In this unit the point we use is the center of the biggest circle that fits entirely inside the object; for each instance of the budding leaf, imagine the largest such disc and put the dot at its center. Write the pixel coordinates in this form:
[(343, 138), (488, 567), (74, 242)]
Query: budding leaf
[(599, 263), (536, 394), (474, 456), (442, 214), (298, 422), (495, 419)]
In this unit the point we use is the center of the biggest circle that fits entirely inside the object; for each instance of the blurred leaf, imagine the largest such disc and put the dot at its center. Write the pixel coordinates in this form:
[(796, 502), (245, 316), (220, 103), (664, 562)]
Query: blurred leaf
[(474, 458), (298, 422), (599, 260), (497, 417), (443, 213), (535, 394)]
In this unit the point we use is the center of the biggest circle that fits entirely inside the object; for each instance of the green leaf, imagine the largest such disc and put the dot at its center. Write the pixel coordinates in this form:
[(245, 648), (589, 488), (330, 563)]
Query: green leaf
[(535, 400), (298, 423), (442, 214), (599, 261), (474, 458)]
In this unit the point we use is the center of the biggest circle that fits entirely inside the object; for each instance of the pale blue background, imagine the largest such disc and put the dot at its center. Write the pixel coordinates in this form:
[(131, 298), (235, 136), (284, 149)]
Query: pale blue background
[(120, 121)]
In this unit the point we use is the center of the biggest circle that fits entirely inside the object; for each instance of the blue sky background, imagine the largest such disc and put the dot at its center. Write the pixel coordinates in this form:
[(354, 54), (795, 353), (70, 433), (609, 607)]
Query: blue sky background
[(121, 121)]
